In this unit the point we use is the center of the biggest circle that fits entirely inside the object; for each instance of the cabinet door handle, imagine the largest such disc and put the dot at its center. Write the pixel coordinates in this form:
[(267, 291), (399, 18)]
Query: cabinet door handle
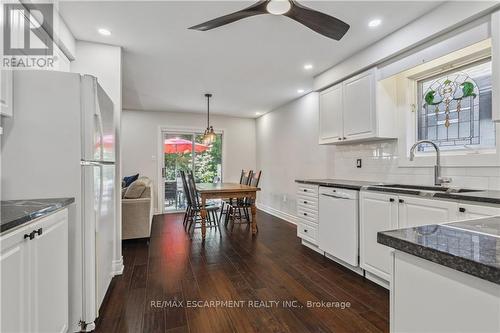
[(305, 190), (391, 200), (305, 230), (461, 210), (345, 138), (401, 201), (39, 231), (305, 202), (305, 214), (31, 235)]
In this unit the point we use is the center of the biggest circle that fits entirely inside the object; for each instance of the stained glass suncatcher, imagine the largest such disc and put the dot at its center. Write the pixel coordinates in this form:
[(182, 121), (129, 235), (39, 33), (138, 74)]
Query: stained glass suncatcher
[(453, 106)]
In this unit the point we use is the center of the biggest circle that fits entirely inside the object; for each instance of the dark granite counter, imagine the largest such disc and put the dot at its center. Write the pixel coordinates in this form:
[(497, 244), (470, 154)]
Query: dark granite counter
[(488, 196), (340, 183), (14, 213), (472, 247)]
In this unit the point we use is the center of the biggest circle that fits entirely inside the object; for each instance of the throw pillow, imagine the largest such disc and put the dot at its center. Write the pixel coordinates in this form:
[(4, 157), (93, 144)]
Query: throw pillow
[(135, 190), (130, 179)]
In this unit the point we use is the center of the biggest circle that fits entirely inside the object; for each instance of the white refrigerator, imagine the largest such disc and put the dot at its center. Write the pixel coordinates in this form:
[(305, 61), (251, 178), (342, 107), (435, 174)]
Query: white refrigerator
[(60, 143)]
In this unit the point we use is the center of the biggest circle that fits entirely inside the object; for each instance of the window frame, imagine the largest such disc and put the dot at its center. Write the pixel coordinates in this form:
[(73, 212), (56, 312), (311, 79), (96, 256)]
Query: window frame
[(407, 83), (453, 68)]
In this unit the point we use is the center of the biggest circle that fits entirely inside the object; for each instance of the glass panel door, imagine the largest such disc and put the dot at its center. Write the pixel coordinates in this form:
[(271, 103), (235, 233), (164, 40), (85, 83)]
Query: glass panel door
[(186, 152)]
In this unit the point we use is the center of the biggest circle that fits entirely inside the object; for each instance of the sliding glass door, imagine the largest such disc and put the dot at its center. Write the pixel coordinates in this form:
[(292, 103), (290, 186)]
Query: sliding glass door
[(184, 151)]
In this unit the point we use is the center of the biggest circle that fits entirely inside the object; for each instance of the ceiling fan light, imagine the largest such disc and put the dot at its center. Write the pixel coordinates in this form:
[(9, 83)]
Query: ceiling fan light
[(278, 7)]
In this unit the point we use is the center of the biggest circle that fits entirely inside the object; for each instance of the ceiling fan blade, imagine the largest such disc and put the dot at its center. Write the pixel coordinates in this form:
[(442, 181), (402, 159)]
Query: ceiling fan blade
[(324, 24), (255, 9)]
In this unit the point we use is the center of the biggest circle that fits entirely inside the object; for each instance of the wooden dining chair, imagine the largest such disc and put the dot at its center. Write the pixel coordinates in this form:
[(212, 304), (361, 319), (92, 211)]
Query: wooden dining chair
[(227, 203), (195, 216), (240, 207)]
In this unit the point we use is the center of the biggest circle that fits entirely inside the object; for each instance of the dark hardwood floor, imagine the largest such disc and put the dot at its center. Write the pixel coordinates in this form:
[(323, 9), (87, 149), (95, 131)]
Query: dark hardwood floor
[(273, 266)]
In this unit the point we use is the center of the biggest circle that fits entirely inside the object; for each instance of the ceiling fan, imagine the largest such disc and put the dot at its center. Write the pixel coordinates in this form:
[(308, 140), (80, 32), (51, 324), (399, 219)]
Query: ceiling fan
[(324, 24)]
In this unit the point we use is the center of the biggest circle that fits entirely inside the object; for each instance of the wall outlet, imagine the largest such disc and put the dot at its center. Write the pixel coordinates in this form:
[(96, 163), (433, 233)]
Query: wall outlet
[(358, 163)]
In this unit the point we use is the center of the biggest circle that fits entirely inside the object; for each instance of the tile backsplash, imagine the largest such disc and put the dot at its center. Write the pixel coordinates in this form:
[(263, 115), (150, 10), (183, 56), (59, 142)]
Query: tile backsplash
[(380, 164)]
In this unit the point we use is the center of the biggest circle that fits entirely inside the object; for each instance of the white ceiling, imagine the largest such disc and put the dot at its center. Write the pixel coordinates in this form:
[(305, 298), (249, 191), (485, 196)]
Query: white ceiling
[(250, 66)]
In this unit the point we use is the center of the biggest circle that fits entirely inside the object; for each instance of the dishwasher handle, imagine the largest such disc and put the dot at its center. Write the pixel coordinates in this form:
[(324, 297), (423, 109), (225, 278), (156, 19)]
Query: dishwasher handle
[(336, 196)]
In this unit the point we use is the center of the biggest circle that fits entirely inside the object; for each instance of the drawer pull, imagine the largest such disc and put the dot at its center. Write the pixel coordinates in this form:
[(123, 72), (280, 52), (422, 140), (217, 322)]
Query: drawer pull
[(31, 235), (461, 210), (305, 190), (391, 199), (401, 201), (305, 214), (39, 231), (305, 230), (305, 202)]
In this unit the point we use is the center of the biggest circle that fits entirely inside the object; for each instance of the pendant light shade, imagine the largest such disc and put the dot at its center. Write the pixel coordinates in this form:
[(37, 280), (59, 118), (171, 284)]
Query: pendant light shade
[(209, 136)]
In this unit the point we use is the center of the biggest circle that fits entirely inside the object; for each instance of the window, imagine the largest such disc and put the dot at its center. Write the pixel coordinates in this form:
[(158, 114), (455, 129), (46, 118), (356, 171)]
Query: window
[(454, 108)]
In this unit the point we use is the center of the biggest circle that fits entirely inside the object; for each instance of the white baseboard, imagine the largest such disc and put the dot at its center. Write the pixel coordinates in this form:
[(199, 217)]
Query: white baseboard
[(117, 267), (282, 215), (377, 280)]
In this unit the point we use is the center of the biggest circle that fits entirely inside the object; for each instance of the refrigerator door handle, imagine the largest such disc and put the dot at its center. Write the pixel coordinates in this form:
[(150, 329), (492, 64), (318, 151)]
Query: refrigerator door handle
[(96, 163)]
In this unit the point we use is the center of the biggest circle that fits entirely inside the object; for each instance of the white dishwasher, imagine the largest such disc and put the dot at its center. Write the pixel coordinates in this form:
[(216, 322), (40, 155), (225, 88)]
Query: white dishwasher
[(338, 223)]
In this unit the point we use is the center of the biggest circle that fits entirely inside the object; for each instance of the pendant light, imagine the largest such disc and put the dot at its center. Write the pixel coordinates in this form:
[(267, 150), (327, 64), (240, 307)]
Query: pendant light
[(209, 135)]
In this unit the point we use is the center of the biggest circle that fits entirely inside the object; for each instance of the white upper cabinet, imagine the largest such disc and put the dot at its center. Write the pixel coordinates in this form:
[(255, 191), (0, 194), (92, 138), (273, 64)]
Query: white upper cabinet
[(359, 106), (6, 92), (330, 118), (358, 109)]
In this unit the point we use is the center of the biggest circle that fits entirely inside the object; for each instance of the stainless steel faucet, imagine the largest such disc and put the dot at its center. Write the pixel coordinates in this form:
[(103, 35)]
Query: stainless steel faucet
[(438, 180)]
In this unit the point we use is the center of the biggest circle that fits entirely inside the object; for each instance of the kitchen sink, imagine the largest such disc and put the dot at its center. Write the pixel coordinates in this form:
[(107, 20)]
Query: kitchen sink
[(429, 188)]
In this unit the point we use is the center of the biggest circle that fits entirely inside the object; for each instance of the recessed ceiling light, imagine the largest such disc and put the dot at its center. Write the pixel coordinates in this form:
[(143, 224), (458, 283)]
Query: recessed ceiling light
[(374, 23), (104, 32), (300, 91), (308, 66)]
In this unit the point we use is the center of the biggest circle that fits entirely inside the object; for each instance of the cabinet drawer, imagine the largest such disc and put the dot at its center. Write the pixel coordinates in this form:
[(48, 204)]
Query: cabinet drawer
[(308, 215), (307, 232), (309, 190), (310, 203)]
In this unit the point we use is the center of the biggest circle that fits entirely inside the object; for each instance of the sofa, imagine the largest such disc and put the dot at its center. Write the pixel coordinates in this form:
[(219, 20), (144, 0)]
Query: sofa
[(137, 209)]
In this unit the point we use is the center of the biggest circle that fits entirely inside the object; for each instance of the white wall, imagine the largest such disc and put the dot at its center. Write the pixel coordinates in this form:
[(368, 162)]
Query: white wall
[(140, 140), (288, 149)]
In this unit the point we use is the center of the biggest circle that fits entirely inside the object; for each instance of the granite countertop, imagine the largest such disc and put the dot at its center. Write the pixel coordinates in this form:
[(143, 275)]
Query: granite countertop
[(14, 213), (340, 183), (484, 196), (472, 247)]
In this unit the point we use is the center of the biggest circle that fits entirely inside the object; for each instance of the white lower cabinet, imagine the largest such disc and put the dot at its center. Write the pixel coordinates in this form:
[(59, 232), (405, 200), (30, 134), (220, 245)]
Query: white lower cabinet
[(377, 212), (307, 213), (468, 211), (34, 276), (385, 211), (414, 211), (428, 297)]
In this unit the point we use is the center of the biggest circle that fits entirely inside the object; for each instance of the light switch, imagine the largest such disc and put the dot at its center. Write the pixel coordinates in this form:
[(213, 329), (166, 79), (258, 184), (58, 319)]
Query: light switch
[(358, 163)]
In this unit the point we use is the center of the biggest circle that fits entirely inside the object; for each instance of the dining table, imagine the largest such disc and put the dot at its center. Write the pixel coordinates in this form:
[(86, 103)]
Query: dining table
[(226, 191)]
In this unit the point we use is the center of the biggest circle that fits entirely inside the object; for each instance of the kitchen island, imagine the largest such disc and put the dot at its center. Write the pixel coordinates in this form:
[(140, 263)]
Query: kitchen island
[(446, 277)]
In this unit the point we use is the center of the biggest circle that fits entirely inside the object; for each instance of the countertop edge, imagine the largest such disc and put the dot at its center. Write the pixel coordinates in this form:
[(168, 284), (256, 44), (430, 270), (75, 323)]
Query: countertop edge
[(26, 219), (479, 270)]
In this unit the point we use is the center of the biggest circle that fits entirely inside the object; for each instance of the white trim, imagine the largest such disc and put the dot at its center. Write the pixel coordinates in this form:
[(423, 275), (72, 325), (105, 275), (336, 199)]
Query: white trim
[(282, 215), (311, 246), (117, 267)]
